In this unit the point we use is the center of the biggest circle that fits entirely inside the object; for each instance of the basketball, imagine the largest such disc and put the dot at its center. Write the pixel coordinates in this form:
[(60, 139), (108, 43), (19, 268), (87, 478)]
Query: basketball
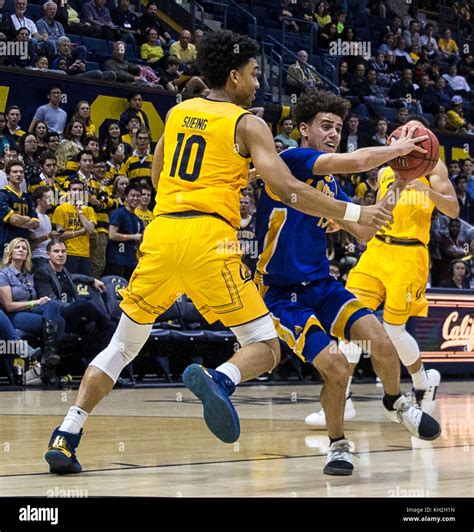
[(416, 164)]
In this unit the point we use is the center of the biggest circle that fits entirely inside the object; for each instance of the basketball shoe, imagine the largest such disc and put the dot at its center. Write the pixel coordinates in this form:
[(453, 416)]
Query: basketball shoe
[(213, 389), (339, 460), (419, 423), (61, 453)]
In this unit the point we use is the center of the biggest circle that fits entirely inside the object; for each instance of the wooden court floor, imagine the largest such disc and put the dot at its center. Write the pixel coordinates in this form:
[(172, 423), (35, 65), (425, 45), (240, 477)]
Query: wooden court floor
[(153, 442)]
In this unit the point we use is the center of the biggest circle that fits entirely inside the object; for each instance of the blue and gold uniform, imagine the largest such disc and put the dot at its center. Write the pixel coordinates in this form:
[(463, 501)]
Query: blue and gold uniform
[(191, 246), (394, 268), (13, 203), (308, 306)]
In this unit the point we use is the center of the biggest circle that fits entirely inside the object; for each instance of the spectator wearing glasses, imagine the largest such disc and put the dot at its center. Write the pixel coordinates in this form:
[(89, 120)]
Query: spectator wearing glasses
[(135, 104)]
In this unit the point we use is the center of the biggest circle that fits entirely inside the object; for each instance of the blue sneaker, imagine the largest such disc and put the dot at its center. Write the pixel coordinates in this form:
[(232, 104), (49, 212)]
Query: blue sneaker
[(61, 453), (213, 388)]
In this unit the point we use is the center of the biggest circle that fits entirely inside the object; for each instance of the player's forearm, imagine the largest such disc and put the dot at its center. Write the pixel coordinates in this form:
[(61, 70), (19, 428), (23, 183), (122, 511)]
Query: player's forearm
[(446, 204), (313, 202), (368, 158)]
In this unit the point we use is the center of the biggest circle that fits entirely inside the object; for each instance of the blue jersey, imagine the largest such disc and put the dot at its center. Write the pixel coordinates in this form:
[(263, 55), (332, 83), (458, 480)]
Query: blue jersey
[(292, 245)]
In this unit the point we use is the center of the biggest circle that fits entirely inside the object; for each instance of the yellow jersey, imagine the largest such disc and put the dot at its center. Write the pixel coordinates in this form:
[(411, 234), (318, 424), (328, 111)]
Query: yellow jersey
[(66, 216), (412, 214), (145, 216), (202, 170)]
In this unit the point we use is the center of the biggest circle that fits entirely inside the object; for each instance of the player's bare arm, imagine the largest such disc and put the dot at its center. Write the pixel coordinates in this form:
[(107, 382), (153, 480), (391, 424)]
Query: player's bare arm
[(441, 192), (254, 137), (367, 158)]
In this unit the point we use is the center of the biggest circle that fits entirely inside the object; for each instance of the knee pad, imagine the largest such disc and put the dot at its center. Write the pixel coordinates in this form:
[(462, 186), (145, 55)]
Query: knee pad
[(255, 331), (124, 346), (406, 346)]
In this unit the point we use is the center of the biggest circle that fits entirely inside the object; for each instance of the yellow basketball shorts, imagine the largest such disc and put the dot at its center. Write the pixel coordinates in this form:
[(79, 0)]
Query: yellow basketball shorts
[(395, 276), (198, 256)]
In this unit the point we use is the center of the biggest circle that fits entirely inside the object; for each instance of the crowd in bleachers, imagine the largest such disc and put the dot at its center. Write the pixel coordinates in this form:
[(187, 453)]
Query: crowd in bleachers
[(74, 206)]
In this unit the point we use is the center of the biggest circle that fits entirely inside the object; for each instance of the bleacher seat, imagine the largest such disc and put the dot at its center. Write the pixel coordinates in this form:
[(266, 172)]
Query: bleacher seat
[(34, 12), (92, 65), (96, 45), (390, 113), (74, 38), (113, 283)]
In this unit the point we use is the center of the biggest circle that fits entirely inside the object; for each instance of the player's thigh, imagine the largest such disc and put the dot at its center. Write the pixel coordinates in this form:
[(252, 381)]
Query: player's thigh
[(216, 279), (406, 286), (155, 284), (364, 283)]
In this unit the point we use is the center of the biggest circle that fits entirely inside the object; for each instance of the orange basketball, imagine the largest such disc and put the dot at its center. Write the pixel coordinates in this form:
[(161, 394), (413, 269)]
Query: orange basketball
[(416, 164)]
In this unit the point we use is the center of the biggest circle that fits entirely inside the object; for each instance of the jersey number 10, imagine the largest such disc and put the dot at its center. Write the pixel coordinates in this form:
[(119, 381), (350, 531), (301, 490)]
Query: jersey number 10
[(188, 147)]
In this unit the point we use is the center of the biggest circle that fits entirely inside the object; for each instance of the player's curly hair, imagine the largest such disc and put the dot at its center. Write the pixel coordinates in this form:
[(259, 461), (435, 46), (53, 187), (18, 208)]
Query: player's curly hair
[(314, 101), (222, 51)]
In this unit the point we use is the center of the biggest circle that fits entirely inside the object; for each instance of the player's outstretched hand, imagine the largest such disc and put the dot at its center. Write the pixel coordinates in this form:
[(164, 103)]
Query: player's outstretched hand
[(406, 143), (376, 216)]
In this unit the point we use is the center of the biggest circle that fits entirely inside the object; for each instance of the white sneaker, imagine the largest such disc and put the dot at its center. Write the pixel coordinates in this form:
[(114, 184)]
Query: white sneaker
[(318, 419), (426, 399), (419, 423), (339, 460)]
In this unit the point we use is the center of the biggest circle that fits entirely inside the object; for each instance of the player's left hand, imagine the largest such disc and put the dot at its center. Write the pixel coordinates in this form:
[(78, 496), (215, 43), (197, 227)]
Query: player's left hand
[(332, 227), (416, 184)]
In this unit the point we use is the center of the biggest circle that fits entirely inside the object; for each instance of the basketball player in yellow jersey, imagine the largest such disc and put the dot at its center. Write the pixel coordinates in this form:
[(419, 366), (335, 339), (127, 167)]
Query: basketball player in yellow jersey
[(199, 167), (393, 272)]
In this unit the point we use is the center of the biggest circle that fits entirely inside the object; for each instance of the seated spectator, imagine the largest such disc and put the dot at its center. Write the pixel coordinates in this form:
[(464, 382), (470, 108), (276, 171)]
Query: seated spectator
[(26, 311), (7, 29), (458, 84), (287, 126), (328, 35), (151, 51), (388, 43), (120, 66), (39, 42), (380, 136), (125, 234), (126, 20), (452, 247), (427, 97), (458, 272), (16, 207), (301, 75), (96, 14), (468, 172), (442, 94), (135, 104), (83, 112), (370, 183), (21, 59), (172, 79), (75, 222), (381, 68), (351, 138), (454, 169), (402, 93), (48, 27), (341, 17), (149, 20), (428, 41), (376, 100), (402, 56), (321, 15), (411, 35), (54, 281), (344, 78), (414, 14), (466, 203), (440, 121), (279, 146), (51, 113), (73, 63), (448, 47), (455, 116), (185, 51), (114, 140), (358, 84)]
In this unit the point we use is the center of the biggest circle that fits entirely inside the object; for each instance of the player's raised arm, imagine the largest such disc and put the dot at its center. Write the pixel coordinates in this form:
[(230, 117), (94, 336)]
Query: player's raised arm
[(367, 158), (258, 141)]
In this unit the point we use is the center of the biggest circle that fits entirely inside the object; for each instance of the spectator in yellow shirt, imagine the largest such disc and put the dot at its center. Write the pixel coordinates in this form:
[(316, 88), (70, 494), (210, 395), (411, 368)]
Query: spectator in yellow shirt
[(448, 47), (185, 51), (151, 51), (455, 116), (142, 210)]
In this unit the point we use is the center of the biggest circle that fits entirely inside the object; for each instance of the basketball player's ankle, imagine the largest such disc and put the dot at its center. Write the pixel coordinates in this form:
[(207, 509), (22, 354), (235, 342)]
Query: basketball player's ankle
[(232, 371), (420, 379), (74, 420), (389, 400)]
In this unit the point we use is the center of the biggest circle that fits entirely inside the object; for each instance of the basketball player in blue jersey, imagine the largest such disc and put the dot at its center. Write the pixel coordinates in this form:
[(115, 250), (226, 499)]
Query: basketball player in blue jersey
[(308, 306)]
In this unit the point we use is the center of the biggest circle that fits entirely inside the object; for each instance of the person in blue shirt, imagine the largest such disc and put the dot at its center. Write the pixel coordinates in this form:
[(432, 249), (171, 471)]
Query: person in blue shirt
[(309, 307), (125, 234)]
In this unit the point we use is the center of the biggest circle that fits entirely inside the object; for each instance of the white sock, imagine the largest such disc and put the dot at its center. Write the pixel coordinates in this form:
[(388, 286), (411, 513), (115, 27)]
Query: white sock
[(74, 420), (348, 389), (232, 371), (420, 379)]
